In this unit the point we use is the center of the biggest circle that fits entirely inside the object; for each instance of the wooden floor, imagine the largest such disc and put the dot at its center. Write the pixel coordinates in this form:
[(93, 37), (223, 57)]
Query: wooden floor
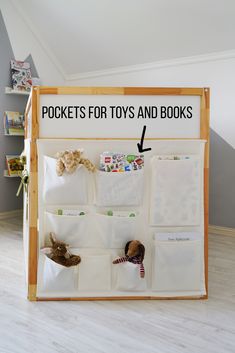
[(126, 326)]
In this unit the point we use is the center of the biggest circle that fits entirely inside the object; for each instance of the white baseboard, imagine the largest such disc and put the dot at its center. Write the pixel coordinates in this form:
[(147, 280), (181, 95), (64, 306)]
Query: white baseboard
[(11, 214), (221, 230)]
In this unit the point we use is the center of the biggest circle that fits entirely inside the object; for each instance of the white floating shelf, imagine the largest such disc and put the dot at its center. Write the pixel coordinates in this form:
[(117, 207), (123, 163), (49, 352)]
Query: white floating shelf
[(9, 90), (10, 176), (13, 135)]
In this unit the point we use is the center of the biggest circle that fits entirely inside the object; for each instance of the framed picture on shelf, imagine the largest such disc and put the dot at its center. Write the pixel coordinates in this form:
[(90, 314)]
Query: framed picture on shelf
[(14, 165), (21, 75), (13, 123)]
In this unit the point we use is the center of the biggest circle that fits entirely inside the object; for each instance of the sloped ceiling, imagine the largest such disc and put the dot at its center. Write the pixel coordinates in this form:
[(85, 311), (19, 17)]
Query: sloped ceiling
[(91, 35)]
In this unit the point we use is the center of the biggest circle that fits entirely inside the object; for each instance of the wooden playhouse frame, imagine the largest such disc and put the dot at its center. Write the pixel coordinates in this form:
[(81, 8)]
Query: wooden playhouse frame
[(32, 135)]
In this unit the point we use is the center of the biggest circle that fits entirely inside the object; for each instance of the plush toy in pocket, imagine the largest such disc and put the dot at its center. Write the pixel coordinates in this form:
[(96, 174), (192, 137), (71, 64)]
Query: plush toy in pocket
[(59, 253), (69, 161), (134, 252)]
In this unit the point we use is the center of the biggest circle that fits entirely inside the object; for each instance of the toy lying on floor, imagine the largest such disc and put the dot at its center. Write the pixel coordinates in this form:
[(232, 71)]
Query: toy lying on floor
[(134, 252)]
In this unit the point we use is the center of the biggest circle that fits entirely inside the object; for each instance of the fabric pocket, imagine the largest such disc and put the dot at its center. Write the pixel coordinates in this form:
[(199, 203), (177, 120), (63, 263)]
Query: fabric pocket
[(176, 192), (67, 189), (177, 266), (119, 189), (73, 230), (116, 231), (128, 277), (95, 273), (58, 278)]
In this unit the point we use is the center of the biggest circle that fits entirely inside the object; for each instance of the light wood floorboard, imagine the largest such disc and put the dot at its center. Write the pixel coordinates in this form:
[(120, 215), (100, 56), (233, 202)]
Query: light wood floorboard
[(117, 327)]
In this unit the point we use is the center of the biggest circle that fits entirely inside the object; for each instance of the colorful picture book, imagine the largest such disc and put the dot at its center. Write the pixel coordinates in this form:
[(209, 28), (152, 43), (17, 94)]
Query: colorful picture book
[(21, 75), (120, 162), (13, 123), (14, 166)]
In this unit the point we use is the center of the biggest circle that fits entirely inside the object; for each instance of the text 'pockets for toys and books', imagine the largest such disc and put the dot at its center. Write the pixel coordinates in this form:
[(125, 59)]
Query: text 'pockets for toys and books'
[(175, 192), (177, 266), (95, 273), (66, 189), (119, 189), (128, 277)]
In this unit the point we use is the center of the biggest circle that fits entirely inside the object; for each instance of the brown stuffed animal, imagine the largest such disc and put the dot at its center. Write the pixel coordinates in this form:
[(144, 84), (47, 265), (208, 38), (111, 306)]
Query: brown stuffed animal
[(60, 254), (134, 252), (69, 161)]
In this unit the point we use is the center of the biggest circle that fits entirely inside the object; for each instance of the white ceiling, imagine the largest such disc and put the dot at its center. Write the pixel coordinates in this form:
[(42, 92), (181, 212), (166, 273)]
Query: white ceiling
[(91, 35)]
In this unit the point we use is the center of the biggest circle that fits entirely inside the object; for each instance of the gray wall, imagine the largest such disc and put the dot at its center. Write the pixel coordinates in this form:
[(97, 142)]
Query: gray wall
[(222, 182), (8, 144)]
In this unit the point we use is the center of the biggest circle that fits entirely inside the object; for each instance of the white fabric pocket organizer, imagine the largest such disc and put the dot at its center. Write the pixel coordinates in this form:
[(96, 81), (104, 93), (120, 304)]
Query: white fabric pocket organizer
[(119, 189), (95, 273), (177, 266), (73, 230), (67, 189), (116, 231), (128, 277), (58, 278), (176, 192)]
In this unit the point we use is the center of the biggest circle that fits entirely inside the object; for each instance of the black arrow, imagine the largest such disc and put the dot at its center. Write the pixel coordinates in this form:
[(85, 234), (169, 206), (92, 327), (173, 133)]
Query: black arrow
[(140, 145)]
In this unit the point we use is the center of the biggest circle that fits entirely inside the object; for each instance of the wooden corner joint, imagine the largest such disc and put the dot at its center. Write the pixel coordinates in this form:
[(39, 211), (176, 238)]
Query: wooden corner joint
[(32, 289)]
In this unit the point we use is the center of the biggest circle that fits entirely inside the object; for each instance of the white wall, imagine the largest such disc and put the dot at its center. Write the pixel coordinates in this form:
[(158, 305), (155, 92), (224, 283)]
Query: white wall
[(25, 42), (219, 75)]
